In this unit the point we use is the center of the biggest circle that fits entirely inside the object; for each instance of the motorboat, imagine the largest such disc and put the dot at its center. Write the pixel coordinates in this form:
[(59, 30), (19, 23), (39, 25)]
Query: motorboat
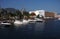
[(58, 18), (18, 22), (32, 20), (39, 20), (25, 21), (5, 23)]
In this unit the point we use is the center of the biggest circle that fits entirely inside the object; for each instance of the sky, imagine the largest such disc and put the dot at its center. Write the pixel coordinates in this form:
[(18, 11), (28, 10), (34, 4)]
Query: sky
[(30, 5)]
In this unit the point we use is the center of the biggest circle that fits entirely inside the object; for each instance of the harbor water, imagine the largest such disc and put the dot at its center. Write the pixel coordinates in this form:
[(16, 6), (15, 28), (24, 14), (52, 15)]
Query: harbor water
[(37, 30)]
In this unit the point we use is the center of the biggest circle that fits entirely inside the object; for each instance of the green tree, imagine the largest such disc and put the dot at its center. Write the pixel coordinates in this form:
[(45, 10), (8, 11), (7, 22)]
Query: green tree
[(25, 13), (18, 13)]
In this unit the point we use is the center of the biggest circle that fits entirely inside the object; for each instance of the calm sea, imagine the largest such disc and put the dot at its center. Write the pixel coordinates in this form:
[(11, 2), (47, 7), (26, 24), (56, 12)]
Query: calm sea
[(38, 30)]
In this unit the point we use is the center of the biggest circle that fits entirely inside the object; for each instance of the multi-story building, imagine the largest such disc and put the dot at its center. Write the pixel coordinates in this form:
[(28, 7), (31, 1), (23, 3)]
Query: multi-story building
[(49, 15), (44, 14), (38, 12)]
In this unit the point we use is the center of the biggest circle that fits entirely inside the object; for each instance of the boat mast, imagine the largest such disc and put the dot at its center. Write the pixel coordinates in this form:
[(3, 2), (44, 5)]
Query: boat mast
[(23, 7)]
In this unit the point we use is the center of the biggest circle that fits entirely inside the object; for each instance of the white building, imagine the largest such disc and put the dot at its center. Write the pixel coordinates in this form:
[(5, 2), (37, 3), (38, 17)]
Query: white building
[(38, 12)]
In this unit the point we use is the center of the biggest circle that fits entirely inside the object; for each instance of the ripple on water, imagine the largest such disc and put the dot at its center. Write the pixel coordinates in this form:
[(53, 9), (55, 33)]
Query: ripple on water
[(38, 30)]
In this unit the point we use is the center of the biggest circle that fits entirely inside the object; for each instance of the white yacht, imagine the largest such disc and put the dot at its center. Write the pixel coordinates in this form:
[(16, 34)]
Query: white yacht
[(39, 20), (18, 22), (58, 18), (31, 20), (25, 21), (5, 23)]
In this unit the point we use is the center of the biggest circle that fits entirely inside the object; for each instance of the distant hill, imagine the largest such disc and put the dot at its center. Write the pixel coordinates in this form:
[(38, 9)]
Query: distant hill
[(11, 9)]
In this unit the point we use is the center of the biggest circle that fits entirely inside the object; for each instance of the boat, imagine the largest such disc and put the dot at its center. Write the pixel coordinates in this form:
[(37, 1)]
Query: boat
[(58, 18), (25, 21), (39, 20), (32, 20), (18, 22), (5, 23)]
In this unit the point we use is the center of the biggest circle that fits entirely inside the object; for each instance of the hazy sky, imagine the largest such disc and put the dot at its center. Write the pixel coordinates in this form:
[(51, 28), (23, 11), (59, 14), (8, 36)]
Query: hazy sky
[(48, 5)]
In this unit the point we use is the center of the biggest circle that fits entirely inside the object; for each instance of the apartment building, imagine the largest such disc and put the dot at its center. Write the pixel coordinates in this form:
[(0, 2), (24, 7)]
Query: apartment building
[(38, 12), (49, 15), (45, 14)]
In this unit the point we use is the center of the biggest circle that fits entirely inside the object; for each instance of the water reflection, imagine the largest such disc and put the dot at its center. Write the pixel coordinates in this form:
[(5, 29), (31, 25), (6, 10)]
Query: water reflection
[(38, 30), (39, 26), (50, 29)]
